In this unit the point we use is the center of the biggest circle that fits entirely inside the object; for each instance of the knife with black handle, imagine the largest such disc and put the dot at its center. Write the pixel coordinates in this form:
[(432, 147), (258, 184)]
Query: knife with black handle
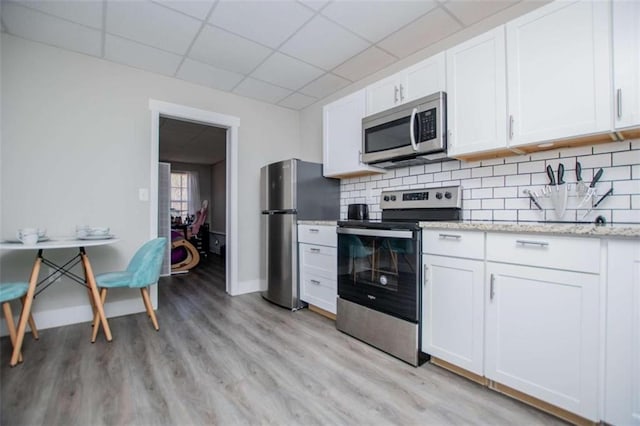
[(578, 172), (560, 174), (596, 178), (552, 175)]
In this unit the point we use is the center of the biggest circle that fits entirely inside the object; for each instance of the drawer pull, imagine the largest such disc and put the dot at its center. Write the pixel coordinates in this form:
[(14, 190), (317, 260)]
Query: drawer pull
[(492, 283), (532, 243), (316, 282), (454, 236), (314, 250), (314, 230)]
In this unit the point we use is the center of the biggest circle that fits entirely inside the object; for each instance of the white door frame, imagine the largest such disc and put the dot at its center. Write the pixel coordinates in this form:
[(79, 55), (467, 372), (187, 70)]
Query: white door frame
[(232, 124)]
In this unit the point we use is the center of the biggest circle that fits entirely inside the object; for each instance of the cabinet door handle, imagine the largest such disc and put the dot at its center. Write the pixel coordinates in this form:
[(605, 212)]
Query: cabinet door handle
[(619, 102), (511, 127), (401, 94), (492, 282), (316, 282), (532, 243), (314, 230), (454, 236), (426, 276), (314, 250), (395, 94)]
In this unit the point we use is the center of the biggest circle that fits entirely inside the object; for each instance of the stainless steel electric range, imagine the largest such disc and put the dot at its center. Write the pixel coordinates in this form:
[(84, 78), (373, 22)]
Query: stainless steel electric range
[(380, 270)]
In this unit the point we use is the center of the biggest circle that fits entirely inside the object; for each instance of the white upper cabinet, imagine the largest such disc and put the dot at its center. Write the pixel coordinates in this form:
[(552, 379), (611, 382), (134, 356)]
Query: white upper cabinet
[(626, 63), (559, 72), (421, 79), (342, 137), (476, 94)]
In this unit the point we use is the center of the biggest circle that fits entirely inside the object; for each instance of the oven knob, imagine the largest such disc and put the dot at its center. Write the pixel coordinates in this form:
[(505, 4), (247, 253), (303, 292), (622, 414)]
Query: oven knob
[(383, 280), (393, 198), (439, 195), (447, 195), (386, 198)]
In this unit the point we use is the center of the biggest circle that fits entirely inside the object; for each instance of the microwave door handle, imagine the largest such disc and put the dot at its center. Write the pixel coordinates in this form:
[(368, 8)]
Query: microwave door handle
[(412, 127)]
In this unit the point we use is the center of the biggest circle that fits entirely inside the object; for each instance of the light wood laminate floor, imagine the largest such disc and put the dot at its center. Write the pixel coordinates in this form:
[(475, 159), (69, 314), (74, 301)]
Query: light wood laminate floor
[(228, 360)]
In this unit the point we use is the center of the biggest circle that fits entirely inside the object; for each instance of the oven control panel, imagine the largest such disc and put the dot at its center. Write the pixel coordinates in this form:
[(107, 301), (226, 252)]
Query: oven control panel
[(428, 198)]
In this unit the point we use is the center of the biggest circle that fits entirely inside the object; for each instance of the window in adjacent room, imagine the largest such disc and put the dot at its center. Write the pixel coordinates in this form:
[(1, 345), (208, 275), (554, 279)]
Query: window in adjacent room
[(180, 194)]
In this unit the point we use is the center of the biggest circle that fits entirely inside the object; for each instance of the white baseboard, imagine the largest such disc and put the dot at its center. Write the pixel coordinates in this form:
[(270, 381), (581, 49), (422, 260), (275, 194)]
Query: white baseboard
[(79, 314), (249, 286)]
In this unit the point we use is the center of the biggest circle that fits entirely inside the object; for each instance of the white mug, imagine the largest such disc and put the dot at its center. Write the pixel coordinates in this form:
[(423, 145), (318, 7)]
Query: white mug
[(28, 236)]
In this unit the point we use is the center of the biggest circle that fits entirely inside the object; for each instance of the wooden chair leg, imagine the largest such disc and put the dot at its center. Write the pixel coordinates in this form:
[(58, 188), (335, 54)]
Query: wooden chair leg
[(96, 315), (147, 304), (11, 326), (32, 323), (26, 311)]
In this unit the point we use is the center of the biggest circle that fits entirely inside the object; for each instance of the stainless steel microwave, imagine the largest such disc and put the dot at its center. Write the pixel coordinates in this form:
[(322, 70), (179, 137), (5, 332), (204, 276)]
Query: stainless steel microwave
[(412, 133)]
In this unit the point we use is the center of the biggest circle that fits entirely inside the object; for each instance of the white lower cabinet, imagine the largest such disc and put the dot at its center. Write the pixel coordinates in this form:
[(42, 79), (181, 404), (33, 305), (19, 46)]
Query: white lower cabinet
[(542, 328), (318, 266), (622, 350), (452, 300)]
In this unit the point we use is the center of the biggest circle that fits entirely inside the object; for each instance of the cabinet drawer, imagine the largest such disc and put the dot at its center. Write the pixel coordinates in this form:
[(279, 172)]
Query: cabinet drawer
[(318, 234), (319, 291), (319, 260), (547, 251), (445, 242)]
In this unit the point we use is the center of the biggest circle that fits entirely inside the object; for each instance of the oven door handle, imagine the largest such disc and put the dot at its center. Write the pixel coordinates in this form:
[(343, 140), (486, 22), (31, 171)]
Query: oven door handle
[(376, 232)]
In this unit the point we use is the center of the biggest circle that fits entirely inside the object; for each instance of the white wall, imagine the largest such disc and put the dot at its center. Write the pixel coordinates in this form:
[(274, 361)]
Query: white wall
[(76, 149)]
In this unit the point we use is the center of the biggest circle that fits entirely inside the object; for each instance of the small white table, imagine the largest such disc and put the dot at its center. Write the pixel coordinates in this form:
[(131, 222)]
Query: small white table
[(65, 269)]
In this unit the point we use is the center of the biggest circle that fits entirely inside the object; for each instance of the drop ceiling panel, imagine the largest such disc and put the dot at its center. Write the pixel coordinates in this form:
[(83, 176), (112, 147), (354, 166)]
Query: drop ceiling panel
[(365, 63), (198, 9), (469, 12), (297, 101), (267, 22), (137, 55), (151, 24), (325, 85), (430, 28), (227, 51), (81, 12), (33, 25), (324, 44), (315, 4), (285, 71), (374, 22), (207, 75), (253, 88)]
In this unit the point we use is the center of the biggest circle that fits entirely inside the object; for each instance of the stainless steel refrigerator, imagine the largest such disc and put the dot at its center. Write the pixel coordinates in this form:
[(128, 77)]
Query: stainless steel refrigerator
[(291, 190)]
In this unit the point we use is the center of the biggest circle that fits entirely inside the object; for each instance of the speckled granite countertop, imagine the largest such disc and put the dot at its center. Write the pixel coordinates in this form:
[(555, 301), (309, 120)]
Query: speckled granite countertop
[(318, 222), (625, 230)]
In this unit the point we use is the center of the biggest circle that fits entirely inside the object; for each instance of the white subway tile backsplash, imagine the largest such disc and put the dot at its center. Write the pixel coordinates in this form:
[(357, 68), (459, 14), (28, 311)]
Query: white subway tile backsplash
[(461, 174), (626, 187), (482, 172), (611, 147), (493, 181), (531, 167), (492, 161), (493, 189), (482, 193), (409, 180), (595, 161), (492, 204), (433, 167), (451, 165), (524, 179), (506, 169), (506, 192), (626, 158)]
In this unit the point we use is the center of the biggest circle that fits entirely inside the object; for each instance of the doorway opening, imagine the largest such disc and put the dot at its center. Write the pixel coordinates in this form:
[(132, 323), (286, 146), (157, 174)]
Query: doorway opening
[(227, 125)]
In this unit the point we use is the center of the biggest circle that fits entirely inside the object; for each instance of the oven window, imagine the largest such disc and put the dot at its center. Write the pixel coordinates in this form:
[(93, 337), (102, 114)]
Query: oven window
[(379, 272), (394, 134)]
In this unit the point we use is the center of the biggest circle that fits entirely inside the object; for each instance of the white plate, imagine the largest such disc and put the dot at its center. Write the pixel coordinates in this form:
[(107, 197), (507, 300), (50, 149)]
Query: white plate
[(96, 237)]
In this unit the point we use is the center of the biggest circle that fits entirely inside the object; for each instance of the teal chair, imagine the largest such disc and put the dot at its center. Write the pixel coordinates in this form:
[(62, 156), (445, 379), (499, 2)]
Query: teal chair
[(143, 271), (9, 292)]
